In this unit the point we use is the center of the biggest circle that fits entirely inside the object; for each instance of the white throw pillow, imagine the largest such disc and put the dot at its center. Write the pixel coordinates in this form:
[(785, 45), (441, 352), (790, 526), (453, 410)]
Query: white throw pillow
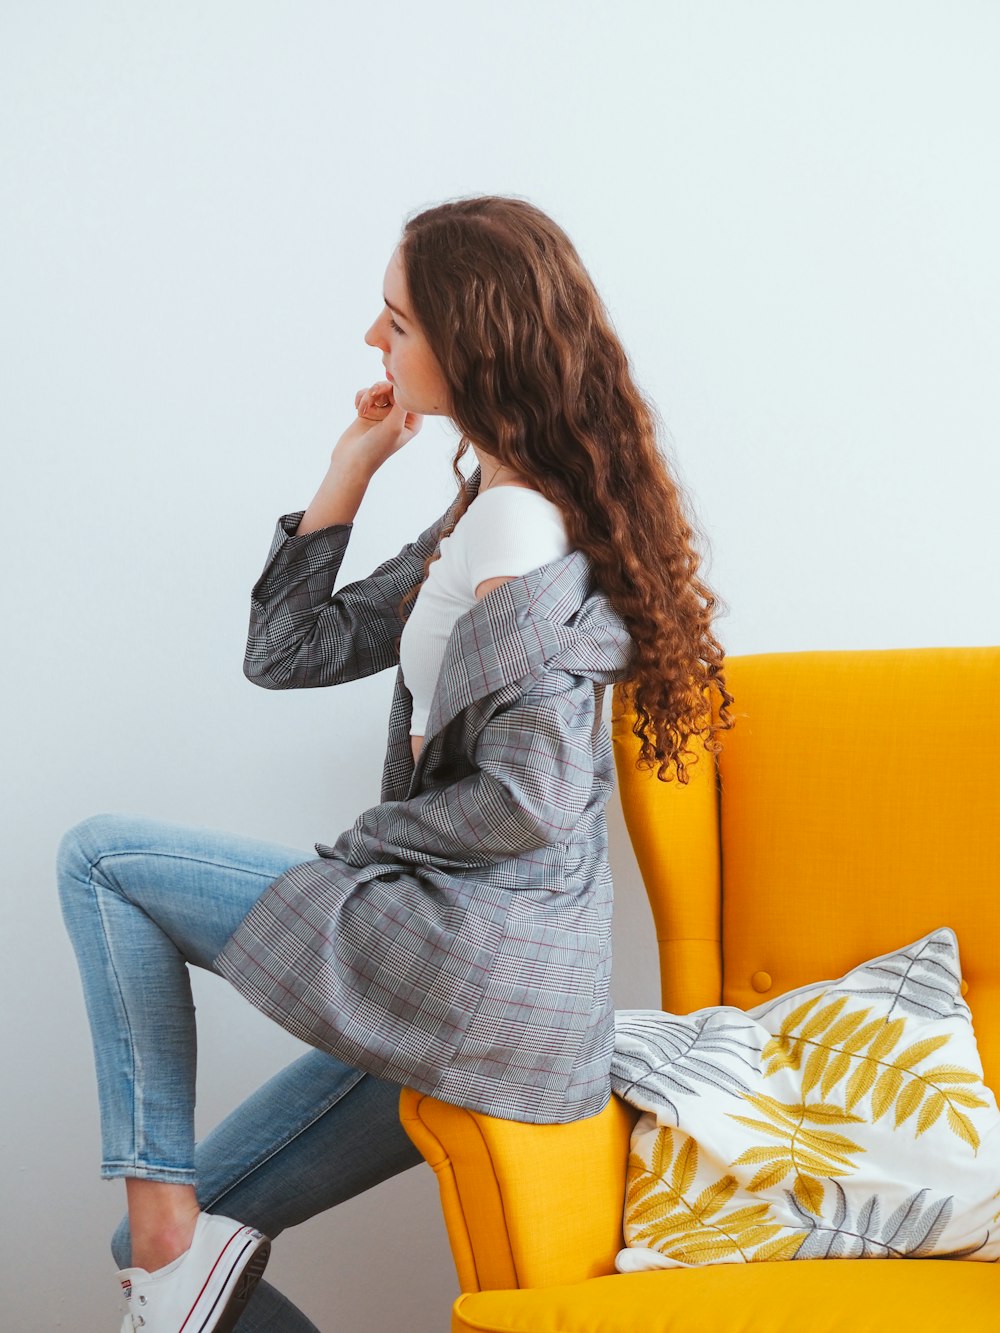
[(846, 1119)]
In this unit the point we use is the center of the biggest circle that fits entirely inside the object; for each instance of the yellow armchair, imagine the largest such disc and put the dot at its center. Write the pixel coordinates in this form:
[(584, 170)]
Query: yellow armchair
[(855, 807)]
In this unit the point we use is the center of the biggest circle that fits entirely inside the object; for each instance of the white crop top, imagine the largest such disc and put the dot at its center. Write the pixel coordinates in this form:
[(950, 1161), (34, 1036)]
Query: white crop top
[(506, 531)]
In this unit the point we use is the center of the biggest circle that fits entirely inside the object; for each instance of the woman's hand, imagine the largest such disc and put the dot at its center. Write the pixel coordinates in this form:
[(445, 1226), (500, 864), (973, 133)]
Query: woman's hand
[(381, 427)]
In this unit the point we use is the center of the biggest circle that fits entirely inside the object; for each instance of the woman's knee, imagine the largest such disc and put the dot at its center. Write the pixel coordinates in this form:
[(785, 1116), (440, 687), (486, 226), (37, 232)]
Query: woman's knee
[(81, 850), (86, 843), (78, 852)]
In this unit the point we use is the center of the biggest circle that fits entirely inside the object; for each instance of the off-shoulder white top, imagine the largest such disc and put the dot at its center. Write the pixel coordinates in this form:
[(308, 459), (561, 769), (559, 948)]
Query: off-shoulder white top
[(506, 531)]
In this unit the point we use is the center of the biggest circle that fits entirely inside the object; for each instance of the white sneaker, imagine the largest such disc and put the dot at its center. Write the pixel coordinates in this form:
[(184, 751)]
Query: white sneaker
[(207, 1288)]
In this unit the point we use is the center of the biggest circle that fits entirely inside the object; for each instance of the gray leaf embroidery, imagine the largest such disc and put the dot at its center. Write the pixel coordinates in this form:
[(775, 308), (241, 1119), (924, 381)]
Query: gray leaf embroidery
[(910, 1232), (658, 1054), (923, 980)]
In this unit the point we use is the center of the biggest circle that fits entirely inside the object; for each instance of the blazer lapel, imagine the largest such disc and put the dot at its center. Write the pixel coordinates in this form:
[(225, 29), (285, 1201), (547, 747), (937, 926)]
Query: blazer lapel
[(507, 636)]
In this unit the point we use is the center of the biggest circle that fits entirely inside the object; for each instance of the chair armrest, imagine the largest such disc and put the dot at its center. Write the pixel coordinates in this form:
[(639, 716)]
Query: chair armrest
[(525, 1205)]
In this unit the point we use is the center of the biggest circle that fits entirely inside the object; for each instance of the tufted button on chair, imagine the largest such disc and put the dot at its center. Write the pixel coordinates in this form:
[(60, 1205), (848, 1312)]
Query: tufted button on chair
[(855, 808)]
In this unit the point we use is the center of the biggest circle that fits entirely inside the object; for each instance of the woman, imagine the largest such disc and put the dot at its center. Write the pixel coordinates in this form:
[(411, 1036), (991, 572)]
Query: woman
[(457, 937)]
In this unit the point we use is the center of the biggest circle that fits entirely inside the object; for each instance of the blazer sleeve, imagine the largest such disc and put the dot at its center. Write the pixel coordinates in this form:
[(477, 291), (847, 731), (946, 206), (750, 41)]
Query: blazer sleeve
[(302, 633), (534, 778)]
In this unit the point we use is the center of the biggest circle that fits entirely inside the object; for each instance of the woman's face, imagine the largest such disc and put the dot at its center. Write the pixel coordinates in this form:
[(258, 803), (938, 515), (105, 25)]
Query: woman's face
[(417, 380)]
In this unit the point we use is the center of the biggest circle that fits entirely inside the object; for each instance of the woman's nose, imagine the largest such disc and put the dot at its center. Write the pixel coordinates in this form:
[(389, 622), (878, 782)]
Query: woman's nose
[(374, 339)]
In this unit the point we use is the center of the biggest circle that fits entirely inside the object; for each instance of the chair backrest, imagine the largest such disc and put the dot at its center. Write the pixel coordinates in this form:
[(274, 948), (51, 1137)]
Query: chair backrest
[(855, 807)]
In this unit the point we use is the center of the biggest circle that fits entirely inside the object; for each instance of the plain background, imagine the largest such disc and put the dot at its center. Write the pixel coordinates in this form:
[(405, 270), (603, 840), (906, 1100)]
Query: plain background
[(791, 210)]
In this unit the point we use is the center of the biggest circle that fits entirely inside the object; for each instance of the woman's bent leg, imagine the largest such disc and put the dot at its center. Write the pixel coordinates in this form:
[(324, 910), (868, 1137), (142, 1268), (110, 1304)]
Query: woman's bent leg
[(141, 898), (317, 1133)]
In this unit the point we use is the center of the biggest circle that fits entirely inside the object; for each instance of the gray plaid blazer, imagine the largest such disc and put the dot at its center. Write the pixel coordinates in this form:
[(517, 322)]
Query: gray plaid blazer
[(457, 937)]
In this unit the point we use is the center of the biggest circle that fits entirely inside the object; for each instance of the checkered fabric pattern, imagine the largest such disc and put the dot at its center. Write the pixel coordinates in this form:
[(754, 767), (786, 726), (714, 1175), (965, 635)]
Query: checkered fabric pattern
[(457, 937)]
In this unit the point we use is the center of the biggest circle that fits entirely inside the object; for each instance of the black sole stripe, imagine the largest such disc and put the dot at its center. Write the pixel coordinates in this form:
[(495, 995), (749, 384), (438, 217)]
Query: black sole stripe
[(240, 1294)]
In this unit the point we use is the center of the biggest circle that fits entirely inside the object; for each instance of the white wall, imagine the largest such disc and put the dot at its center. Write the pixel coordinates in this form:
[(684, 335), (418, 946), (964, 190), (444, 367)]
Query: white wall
[(792, 209)]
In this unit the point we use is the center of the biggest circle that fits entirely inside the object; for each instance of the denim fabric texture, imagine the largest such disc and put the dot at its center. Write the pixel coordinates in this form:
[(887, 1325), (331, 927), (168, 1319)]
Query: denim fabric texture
[(143, 899)]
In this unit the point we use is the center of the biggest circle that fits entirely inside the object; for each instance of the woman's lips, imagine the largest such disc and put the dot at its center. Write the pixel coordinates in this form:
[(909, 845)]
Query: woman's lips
[(389, 378)]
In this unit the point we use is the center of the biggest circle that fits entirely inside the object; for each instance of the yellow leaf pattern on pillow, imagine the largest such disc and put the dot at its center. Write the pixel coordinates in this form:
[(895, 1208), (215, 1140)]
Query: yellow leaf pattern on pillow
[(804, 1152), (833, 1043), (695, 1231), (861, 1070)]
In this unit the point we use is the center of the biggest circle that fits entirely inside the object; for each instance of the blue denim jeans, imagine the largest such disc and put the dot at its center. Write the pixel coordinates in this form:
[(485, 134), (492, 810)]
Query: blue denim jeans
[(142, 900)]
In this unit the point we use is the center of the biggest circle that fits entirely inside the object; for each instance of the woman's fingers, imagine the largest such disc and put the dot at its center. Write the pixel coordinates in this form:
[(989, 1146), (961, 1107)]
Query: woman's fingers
[(381, 421), (376, 402)]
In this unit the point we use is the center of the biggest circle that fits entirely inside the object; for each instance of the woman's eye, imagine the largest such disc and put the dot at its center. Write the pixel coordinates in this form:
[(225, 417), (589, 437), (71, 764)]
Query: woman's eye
[(394, 326)]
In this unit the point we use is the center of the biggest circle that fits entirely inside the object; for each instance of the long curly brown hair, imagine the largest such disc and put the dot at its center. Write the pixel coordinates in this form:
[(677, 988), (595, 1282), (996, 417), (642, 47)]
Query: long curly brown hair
[(539, 379)]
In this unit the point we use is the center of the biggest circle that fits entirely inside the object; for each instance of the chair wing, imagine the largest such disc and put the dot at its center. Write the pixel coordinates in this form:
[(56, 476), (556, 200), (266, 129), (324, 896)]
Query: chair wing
[(525, 1205)]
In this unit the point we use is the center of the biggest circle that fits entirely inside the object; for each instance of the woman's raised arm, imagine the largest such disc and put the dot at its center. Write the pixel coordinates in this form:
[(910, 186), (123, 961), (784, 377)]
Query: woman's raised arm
[(302, 633)]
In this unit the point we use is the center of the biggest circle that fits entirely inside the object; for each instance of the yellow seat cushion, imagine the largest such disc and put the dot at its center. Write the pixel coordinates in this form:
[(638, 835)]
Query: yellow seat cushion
[(828, 1296)]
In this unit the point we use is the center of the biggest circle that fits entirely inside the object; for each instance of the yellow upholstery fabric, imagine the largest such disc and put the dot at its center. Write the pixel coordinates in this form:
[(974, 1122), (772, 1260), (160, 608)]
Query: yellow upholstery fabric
[(676, 843), (855, 809), (526, 1205), (860, 810), (828, 1296)]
